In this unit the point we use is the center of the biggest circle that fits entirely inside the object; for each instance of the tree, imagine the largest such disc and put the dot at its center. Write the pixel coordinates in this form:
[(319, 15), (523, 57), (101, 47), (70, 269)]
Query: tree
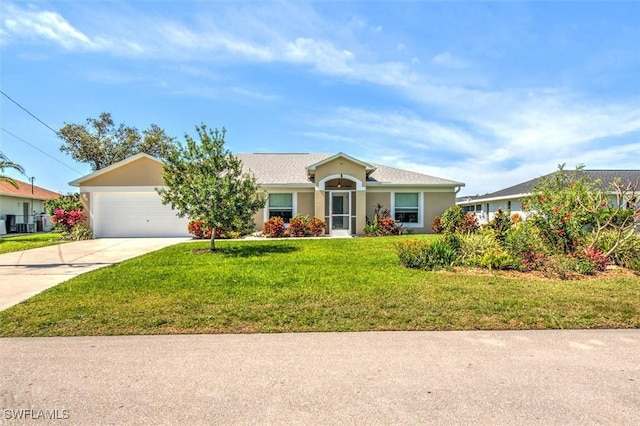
[(5, 163), (101, 143), (204, 181), (567, 207), (65, 202)]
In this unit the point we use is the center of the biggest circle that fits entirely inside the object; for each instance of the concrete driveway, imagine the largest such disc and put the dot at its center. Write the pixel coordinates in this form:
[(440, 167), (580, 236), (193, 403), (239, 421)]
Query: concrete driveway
[(555, 377), (26, 273)]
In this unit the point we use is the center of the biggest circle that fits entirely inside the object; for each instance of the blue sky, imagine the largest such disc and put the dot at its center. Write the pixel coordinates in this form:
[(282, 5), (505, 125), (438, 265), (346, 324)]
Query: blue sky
[(488, 93)]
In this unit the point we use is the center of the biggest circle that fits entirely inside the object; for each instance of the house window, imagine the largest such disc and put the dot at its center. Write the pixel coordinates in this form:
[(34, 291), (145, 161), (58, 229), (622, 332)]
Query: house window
[(509, 205), (281, 205), (407, 207)]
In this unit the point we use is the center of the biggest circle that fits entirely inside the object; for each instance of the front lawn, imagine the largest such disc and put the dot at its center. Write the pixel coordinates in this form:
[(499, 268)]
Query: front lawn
[(30, 241), (310, 285)]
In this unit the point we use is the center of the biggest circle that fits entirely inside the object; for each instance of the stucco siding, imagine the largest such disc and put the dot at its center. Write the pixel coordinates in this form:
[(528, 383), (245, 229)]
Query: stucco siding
[(340, 166), (141, 172), (375, 198), (435, 203), (306, 204)]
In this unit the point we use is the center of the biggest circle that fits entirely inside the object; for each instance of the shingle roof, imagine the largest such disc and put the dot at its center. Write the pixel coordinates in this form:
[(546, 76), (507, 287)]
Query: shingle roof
[(274, 168), (605, 176), (24, 191)]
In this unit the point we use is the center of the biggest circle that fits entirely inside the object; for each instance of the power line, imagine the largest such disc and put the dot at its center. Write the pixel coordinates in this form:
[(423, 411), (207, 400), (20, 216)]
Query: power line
[(38, 149), (21, 170), (29, 112)]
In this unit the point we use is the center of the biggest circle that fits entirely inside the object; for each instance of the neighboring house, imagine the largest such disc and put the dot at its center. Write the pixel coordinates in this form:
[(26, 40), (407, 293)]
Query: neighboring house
[(122, 200), (511, 199), (22, 208)]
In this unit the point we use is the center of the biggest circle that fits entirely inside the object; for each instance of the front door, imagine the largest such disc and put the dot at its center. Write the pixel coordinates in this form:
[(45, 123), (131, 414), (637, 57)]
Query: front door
[(340, 213)]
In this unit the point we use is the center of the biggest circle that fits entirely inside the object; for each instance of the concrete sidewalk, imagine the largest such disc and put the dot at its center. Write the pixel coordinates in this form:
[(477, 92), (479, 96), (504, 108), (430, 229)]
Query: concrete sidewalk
[(26, 273), (552, 377)]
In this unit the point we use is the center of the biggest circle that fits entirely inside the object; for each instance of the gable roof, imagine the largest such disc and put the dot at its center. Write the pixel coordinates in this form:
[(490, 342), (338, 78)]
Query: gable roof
[(117, 165), (525, 188), (368, 167), (24, 191), (292, 168)]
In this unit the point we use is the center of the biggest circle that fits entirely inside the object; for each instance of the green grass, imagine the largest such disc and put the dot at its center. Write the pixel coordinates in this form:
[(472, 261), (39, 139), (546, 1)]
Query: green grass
[(26, 242), (310, 285)]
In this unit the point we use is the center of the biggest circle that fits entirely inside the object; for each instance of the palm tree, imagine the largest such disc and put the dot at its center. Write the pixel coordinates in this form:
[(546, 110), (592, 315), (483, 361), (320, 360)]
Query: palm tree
[(5, 163)]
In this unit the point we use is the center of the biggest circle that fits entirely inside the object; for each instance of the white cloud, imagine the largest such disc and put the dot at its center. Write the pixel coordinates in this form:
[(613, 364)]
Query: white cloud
[(34, 24), (448, 60), (323, 55)]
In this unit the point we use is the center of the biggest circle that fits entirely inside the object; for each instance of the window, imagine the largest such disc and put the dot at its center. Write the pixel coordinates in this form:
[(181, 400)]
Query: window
[(281, 205), (407, 208), (509, 205)]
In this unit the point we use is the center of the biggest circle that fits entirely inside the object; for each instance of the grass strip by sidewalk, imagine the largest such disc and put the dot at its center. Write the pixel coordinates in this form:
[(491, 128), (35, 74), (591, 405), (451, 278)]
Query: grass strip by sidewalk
[(310, 285), (30, 241)]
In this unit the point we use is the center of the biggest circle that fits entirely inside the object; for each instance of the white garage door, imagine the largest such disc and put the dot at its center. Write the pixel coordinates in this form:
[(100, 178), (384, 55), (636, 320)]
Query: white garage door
[(135, 214)]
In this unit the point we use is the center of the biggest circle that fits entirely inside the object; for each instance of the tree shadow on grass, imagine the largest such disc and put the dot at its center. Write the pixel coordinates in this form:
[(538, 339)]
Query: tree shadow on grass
[(250, 250)]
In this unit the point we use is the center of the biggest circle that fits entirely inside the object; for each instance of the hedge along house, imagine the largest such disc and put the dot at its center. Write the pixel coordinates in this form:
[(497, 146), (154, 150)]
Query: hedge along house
[(122, 200)]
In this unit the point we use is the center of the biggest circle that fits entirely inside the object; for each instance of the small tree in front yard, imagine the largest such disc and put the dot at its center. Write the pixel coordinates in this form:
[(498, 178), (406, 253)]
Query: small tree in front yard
[(204, 181)]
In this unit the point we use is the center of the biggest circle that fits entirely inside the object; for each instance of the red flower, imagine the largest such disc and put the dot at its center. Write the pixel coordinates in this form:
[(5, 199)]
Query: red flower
[(568, 215), (560, 232), (543, 198), (603, 205), (555, 211)]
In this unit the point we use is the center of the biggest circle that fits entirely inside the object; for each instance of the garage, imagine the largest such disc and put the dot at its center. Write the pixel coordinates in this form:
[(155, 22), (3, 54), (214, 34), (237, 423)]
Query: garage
[(134, 214)]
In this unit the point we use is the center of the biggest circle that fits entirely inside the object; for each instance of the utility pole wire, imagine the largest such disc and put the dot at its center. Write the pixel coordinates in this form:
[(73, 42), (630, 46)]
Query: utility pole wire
[(36, 148), (29, 112)]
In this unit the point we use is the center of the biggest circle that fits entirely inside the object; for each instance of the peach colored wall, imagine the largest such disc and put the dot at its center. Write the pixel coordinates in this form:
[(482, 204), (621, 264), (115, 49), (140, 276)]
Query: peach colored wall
[(374, 198), (306, 204), (141, 172), (335, 168)]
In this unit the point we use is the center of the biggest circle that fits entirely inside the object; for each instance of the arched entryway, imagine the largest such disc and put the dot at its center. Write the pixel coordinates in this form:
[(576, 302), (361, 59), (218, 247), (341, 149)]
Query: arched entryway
[(340, 206)]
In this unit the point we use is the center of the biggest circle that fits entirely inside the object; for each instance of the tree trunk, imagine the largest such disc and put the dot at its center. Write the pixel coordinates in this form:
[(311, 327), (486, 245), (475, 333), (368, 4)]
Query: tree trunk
[(213, 239)]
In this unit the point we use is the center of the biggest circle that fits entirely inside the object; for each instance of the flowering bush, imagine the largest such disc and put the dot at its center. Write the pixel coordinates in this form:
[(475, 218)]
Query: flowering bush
[(67, 219)]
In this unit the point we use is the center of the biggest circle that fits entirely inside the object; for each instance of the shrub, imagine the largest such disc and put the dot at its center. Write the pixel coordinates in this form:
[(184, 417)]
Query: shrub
[(473, 247), (499, 259), (300, 226), (198, 230), (521, 239), (317, 226), (78, 233), (626, 254), (559, 266), (64, 202), (532, 260), (429, 255), (451, 218), (595, 257), (436, 226), (274, 227), (67, 219), (500, 224), (468, 224), (382, 224)]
